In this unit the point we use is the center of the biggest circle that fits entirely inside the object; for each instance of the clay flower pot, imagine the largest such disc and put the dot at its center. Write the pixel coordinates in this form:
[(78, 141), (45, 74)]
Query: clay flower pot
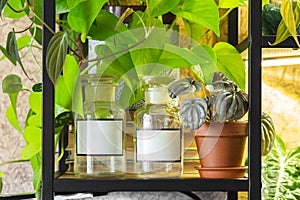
[(221, 145)]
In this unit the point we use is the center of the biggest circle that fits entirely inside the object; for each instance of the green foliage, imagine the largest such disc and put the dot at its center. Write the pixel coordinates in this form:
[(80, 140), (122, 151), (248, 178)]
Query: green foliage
[(56, 55), (81, 17), (12, 50), (290, 12), (160, 7), (17, 5), (209, 17), (2, 5), (281, 173), (271, 18), (229, 62), (121, 55)]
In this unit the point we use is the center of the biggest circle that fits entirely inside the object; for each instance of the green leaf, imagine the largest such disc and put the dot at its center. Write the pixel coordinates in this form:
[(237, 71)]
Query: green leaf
[(12, 117), (23, 41), (200, 12), (73, 3), (282, 33), (61, 7), (12, 49), (17, 5), (56, 55), (35, 102), (150, 50), (81, 17), (231, 63), (37, 176), (208, 67), (229, 3), (287, 13), (33, 136), (160, 7), (63, 118), (105, 21), (195, 31), (6, 54), (37, 87), (280, 172), (2, 5), (35, 120), (66, 83), (11, 84)]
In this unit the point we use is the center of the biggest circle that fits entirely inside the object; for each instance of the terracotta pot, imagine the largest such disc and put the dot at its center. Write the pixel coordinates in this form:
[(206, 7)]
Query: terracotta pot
[(221, 144), (221, 172)]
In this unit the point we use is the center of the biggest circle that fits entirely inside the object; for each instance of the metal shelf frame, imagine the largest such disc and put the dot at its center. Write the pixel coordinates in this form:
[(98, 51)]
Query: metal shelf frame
[(51, 184)]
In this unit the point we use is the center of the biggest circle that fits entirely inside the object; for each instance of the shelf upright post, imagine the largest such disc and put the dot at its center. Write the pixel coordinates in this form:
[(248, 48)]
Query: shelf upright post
[(254, 87), (48, 108)]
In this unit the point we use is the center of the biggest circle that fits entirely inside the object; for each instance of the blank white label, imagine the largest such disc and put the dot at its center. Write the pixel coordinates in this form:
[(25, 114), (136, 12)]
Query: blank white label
[(99, 137), (158, 145)]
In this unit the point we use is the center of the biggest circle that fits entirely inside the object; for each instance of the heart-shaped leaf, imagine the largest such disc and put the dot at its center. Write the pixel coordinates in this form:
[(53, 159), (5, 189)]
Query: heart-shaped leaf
[(200, 12), (56, 55), (82, 16), (33, 136), (11, 84), (231, 63)]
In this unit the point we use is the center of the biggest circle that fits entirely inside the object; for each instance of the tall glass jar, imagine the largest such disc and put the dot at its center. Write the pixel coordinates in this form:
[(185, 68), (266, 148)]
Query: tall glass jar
[(100, 140), (158, 136)]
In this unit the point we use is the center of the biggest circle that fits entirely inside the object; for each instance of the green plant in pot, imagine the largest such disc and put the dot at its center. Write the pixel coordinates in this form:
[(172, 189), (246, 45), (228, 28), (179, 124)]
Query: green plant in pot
[(214, 120), (216, 117)]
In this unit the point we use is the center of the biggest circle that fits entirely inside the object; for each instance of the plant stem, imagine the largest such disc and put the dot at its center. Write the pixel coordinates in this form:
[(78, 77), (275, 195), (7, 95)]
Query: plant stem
[(13, 161), (225, 15), (46, 25)]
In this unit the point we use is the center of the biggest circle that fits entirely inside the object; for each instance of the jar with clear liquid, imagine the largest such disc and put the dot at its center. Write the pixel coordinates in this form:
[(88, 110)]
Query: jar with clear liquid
[(99, 140), (158, 136)]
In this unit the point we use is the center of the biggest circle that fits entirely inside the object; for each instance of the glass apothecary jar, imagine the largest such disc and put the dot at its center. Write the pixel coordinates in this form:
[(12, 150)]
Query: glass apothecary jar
[(158, 137), (99, 131)]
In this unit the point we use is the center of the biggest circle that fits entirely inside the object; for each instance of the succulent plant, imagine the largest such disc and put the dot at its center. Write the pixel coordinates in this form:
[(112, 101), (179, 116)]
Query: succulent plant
[(225, 102)]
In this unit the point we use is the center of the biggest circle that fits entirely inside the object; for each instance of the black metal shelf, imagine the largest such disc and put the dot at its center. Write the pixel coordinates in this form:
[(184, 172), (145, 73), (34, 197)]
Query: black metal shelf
[(133, 184), (52, 184), (270, 39)]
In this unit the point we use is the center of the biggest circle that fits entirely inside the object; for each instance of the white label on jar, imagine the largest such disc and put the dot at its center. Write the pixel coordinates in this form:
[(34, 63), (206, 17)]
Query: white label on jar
[(100, 137), (158, 145)]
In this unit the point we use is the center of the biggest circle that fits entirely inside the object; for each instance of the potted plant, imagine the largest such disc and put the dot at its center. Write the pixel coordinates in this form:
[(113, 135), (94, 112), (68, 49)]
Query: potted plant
[(214, 114), (213, 117)]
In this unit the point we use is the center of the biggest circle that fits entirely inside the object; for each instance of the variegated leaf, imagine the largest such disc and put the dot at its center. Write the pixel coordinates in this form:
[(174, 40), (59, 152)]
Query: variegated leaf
[(56, 55)]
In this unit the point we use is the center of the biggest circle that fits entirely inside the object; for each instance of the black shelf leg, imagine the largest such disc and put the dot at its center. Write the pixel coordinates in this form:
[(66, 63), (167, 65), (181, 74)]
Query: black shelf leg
[(232, 195), (48, 108)]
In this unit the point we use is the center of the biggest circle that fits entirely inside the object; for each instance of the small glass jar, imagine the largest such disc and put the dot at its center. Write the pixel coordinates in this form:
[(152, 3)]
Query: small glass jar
[(99, 140), (158, 136)]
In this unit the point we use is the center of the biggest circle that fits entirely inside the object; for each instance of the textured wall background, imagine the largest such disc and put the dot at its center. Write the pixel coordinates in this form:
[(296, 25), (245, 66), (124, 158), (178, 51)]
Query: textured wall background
[(17, 176)]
